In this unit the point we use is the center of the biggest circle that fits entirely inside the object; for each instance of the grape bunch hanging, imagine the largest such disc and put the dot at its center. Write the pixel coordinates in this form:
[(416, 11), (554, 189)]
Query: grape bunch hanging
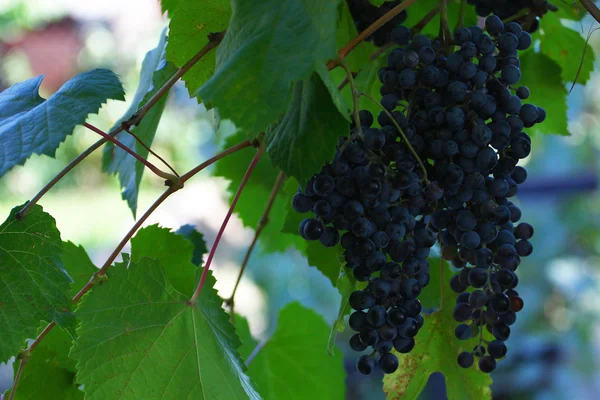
[(442, 165), (365, 13), (526, 12)]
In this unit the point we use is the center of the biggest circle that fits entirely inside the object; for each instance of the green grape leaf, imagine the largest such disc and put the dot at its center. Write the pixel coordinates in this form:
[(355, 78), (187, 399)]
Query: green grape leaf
[(138, 326), (78, 265), (306, 137), (346, 284), (33, 283), (294, 363), (170, 250), (436, 351), (567, 9), (566, 46), (346, 31), (197, 240), (257, 193), (336, 95), (248, 342), (542, 76), (264, 38), (155, 72), (46, 375), (377, 3), (328, 260), (31, 125), (191, 22)]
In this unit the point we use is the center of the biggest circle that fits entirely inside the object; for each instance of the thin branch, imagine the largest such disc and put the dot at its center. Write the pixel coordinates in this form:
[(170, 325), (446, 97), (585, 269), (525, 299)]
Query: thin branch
[(141, 143), (13, 389), (344, 51), (442, 299), (42, 335), (410, 147), (262, 222), (231, 150), (425, 20), (516, 16), (213, 249), (214, 40), (461, 14), (356, 106), (444, 23), (151, 167)]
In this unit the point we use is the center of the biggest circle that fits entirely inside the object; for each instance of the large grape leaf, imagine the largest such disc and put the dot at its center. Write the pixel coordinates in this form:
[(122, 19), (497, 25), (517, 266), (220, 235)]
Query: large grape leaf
[(33, 284), (307, 135), (191, 22), (436, 351), (569, 9), (256, 194), (137, 327), (431, 296), (50, 373), (30, 124), (170, 250), (264, 38), (294, 363), (155, 72), (197, 240), (543, 77), (328, 260), (248, 342), (566, 47)]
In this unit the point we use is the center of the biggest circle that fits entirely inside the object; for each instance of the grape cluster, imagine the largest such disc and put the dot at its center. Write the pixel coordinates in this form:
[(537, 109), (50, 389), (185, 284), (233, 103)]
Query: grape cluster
[(505, 9), (365, 13), (374, 193), (469, 116)]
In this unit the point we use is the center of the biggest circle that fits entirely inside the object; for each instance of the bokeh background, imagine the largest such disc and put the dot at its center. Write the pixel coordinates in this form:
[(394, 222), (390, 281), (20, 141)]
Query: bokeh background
[(555, 346)]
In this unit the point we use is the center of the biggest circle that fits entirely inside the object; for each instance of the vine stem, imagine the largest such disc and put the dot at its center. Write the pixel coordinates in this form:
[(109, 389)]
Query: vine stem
[(356, 101), (591, 8), (214, 40), (185, 177), (262, 223), (141, 143), (444, 24), (442, 280), (425, 20), (410, 147), (141, 159), (13, 389), (213, 249), (461, 14), (516, 16), (344, 51)]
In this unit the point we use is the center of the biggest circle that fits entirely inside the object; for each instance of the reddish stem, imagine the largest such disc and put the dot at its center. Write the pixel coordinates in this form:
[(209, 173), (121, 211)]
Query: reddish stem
[(253, 163)]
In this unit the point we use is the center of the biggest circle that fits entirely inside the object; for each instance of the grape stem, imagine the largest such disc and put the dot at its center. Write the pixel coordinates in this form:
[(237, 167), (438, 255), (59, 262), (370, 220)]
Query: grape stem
[(344, 51), (461, 14), (13, 389), (356, 107), (214, 40), (213, 249), (442, 294), (516, 16), (444, 24), (141, 143), (262, 223), (591, 8), (148, 164), (410, 147), (256, 350), (425, 20)]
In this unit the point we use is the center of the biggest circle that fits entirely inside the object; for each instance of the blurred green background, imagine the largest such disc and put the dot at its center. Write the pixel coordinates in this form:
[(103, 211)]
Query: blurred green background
[(555, 346)]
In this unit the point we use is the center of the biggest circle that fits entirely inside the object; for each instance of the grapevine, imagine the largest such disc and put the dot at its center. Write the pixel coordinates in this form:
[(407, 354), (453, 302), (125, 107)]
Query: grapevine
[(383, 140)]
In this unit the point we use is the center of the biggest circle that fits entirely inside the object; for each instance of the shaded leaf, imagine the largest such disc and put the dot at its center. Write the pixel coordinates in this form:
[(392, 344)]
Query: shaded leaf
[(155, 72), (33, 284), (328, 260), (31, 125), (294, 363), (542, 76), (248, 342), (307, 135), (137, 325), (264, 38), (191, 22), (78, 265), (346, 284)]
